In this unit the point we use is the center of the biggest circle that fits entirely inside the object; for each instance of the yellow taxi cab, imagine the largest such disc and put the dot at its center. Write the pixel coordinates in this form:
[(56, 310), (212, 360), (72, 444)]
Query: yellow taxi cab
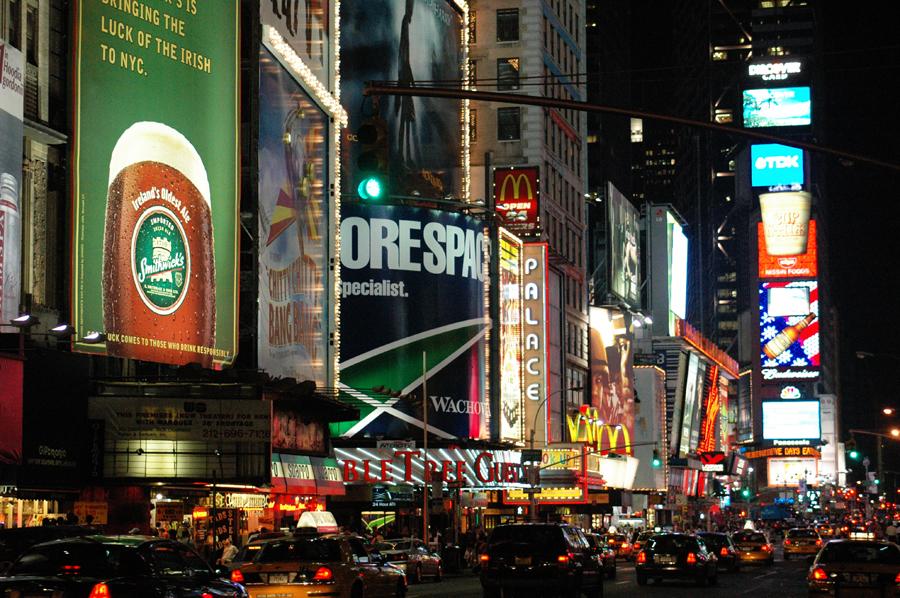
[(801, 541), (311, 564), (619, 543), (825, 530), (753, 547)]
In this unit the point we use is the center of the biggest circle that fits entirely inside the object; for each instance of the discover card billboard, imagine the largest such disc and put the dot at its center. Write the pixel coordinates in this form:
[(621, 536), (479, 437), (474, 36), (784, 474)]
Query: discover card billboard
[(421, 271), (293, 228), (155, 179)]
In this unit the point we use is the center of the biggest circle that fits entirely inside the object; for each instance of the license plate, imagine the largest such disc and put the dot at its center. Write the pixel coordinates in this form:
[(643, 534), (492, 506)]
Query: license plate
[(747, 548), (859, 578), (665, 559), (523, 561), (278, 578)]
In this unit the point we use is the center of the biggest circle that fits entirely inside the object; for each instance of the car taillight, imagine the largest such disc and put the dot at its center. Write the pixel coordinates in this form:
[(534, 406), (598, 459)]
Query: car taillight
[(100, 590), (818, 574), (724, 551), (206, 595), (897, 579), (323, 574), (691, 558), (237, 576), (767, 547), (70, 569), (642, 557), (483, 558), (564, 559), (787, 542), (818, 542)]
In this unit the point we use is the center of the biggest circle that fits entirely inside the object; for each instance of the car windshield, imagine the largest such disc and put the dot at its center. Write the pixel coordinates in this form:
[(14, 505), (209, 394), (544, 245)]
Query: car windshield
[(860, 552), (86, 560), (749, 537), (714, 541), (248, 553), (672, 544), (545, 537), (802, 533), (306, 549)]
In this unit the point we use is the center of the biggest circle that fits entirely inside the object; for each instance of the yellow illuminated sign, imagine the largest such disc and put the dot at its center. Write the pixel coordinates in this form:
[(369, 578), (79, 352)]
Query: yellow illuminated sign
[(586, 427)]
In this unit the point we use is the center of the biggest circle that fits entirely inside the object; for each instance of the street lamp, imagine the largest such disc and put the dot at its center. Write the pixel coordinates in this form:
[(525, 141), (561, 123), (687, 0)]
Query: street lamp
[(535, 467), (888, 411), (541, 404)]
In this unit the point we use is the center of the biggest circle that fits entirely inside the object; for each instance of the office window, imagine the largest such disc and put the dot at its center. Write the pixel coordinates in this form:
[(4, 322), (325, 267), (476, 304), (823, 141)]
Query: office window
[(31, 35), (473, 21), (473, 126), (508, 25), (14, 31), (508, 125), (507, 74)]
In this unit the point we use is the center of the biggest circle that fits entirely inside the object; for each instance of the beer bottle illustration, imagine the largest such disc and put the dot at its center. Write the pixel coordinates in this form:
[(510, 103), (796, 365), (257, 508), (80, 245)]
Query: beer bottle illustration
[(159, 297), (786, 337)]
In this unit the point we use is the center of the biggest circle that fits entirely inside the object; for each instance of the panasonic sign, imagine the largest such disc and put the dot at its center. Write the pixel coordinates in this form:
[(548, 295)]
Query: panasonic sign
[(776, 165)]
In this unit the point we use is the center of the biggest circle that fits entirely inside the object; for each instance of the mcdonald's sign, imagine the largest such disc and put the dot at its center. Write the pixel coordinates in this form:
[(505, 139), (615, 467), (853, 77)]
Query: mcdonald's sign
[(585, 426), (517, 199)]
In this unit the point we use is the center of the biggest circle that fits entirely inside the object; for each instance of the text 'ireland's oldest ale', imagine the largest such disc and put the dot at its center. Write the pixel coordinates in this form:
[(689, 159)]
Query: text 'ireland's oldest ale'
[(159, 298)]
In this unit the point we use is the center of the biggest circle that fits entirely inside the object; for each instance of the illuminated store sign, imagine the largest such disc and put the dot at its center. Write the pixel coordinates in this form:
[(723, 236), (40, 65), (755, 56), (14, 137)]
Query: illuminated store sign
[(775, 71)]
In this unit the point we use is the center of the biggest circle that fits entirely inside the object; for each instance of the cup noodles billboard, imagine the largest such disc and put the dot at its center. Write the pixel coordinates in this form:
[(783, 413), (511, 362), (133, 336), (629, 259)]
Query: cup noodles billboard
[(788, 266), (789, 330)]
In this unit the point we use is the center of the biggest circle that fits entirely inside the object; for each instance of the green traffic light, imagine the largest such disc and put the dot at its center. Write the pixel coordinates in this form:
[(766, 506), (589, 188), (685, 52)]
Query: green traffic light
[(370, 188), (657, 462), (854, 455), (745, 492)]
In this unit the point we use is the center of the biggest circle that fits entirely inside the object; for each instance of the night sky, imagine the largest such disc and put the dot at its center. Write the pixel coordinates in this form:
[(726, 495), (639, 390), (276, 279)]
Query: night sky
[(862, 72)]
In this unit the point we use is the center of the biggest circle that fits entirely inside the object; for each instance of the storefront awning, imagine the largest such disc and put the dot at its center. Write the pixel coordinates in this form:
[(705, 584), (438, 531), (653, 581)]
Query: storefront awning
[(298, 474)]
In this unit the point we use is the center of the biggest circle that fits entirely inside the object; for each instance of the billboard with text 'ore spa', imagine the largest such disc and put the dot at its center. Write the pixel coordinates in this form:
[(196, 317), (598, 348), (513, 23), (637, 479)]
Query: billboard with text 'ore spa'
[(412, 283)]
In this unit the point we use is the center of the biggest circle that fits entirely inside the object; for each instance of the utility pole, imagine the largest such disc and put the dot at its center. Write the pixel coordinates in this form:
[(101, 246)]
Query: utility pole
[(427, 483)]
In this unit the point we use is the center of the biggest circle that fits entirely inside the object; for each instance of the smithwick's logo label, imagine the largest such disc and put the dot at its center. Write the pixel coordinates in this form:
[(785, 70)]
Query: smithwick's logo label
[(160, 260)]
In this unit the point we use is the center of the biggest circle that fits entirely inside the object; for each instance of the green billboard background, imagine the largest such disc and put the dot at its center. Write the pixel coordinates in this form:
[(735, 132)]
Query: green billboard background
[(169, 61)]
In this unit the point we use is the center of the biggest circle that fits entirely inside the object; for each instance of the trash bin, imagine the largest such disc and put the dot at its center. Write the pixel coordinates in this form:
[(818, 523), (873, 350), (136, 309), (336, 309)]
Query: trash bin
[(452, 558)]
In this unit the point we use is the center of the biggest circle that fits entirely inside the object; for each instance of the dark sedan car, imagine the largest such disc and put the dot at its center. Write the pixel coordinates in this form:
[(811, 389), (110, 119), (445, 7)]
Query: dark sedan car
[(533, 559), (14, 542), (605, 554), (115, 567), (676, 556), (856, 568), (723, 547)]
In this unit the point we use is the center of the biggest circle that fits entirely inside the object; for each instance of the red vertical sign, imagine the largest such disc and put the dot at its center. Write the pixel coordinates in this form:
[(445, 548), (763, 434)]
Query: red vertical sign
[(10, 410)]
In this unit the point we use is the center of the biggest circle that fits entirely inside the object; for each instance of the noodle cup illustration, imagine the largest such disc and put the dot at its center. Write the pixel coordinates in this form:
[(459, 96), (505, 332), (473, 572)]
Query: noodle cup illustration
[(785, 218)]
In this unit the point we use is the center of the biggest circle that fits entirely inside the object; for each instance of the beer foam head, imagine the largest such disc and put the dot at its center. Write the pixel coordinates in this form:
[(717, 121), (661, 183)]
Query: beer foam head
[(150, 141)]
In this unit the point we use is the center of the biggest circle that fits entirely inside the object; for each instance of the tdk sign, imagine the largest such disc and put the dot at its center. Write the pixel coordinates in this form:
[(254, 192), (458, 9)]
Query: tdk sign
[(773, 164)]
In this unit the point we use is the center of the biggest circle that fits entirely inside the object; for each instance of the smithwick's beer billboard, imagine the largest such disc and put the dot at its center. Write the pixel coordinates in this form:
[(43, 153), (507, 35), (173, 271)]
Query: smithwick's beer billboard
[(293, 229), (156, 165), (517, 199)]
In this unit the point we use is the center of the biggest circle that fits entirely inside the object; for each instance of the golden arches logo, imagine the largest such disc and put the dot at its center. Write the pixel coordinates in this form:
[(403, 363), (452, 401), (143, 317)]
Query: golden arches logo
[(517, 181), (585, 426)]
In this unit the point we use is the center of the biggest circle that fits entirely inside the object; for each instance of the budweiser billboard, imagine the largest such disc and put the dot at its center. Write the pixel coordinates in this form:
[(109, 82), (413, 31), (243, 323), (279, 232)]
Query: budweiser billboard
[(517, 199)]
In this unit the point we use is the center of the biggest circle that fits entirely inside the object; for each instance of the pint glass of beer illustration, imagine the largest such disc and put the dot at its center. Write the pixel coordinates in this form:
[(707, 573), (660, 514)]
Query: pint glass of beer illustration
[(159, 296)]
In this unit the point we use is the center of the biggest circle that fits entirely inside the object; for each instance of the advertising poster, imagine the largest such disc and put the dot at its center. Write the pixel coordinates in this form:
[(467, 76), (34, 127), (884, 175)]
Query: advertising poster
[(421, 271), (10, 411), (407, 41), (291, 431), (12, 93), (791, 420), (789, 330), (305, 25), (777, 107), (803, 265), (624, 248), (293, 228), (517, 199), (534, 333), (612, 374), (713, 404), (690, 404), (155, 180), (512, 409)]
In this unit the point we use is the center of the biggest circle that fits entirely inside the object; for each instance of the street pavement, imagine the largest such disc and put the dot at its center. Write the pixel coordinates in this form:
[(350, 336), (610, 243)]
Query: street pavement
[(784, 580)]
